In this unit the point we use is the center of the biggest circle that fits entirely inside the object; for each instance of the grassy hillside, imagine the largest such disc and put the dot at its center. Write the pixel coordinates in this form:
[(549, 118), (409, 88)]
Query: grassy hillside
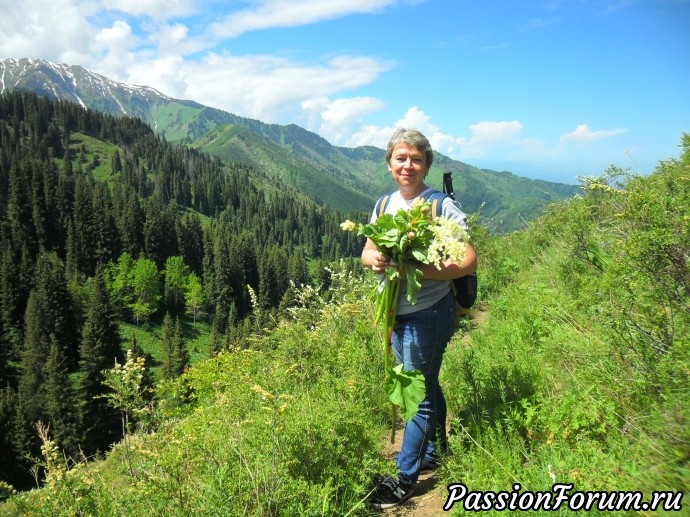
[(579, 373), (237, 144)]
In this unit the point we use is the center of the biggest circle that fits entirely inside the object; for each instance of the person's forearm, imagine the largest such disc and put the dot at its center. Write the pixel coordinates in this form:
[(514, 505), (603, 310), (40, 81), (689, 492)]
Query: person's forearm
[(368, 255), (373, 259)]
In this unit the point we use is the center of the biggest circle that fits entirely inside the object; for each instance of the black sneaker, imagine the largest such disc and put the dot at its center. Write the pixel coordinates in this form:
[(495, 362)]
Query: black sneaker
[(391, 492), (428, 466), (429, 462)]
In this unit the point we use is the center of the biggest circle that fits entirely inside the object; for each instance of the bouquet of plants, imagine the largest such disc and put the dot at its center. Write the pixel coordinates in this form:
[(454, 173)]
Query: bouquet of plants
[(408, 239)]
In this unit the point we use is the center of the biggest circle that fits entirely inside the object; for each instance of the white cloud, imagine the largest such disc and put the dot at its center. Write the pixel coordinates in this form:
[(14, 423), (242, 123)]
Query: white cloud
[(368, 134), (156, 9), (583, 133), (55, 30), (167, 74), (345, 110), (450, 145), (337, 120), (269, 88), (486, 132), (113, 36), (485, 135), (414, 118), (113, 50), (290, 13), (170, 36)]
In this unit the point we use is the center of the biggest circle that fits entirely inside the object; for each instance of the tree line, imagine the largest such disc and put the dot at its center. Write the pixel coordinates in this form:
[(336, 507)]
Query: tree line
[(90, 238)]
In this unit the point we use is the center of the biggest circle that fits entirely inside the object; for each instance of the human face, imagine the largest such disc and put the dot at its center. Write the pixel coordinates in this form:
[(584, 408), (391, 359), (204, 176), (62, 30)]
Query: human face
[(408, 167)]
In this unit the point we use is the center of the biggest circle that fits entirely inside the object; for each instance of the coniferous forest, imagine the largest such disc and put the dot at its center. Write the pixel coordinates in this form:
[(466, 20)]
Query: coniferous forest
[(103, 222)]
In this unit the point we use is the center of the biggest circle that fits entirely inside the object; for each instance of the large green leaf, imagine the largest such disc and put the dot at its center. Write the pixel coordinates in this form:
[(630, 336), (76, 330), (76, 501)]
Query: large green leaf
[(405, 389), (414, 282)]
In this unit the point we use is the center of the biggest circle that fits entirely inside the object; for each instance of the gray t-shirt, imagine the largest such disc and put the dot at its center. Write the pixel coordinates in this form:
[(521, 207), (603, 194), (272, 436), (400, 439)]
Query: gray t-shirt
[(432, 290)]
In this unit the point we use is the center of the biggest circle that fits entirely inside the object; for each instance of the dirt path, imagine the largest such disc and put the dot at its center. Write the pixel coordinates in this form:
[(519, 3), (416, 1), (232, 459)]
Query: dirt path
[(430, 494)]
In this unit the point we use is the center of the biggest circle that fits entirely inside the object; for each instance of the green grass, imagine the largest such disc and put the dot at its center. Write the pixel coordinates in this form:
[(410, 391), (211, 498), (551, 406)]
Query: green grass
[(197, 337), (97, 155)]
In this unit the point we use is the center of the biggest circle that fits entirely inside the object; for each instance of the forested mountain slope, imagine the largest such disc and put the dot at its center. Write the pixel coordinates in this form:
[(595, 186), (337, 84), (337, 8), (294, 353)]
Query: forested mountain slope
[(579, 376), (103, 222), (345, 179)]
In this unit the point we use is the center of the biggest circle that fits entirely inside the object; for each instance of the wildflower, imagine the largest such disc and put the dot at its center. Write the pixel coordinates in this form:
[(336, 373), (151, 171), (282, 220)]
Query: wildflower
[(351, 385), (348, 226), (449, 243), (264, 394), (418, 202), (252, 296)]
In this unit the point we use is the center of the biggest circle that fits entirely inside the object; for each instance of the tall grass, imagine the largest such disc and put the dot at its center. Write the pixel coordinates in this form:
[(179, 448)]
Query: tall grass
[(581, 372)]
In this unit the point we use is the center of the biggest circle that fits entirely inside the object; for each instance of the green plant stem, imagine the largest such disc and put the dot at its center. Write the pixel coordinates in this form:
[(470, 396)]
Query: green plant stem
[(388, 308)]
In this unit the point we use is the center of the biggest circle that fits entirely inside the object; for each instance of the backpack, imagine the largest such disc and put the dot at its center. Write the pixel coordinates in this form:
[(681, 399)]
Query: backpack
[(465, 287)]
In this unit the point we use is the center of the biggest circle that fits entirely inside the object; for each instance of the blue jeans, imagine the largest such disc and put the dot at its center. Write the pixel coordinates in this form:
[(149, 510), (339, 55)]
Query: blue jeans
[(419, 340)]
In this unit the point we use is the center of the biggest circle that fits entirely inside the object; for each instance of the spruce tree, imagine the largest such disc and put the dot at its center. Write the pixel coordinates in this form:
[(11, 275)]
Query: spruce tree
[(54, 295), (12, 468), (106, 243), (131, 222), (31, 401), (11, 318), (180, 355), (167, 347), (60, 406), (100, 348), (190, 237), (83, 235), (43, 391)]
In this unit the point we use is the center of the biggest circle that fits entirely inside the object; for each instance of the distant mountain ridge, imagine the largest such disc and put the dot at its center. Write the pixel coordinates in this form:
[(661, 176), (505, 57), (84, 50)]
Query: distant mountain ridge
[(344, 178)]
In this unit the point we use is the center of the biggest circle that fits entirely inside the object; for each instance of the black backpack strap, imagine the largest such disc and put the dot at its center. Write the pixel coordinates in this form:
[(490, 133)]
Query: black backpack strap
[(448, 184)]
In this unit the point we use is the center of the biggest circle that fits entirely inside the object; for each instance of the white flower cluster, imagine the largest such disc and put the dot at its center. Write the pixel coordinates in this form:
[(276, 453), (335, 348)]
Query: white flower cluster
[(348, 226), (450, 242), (419, 202)]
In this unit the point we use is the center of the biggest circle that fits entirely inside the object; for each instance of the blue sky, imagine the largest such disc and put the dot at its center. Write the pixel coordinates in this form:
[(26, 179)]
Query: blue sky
[(547, 89)]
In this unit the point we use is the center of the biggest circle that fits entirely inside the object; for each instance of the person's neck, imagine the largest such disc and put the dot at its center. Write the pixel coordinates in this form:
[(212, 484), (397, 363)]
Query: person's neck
[(411, 193)]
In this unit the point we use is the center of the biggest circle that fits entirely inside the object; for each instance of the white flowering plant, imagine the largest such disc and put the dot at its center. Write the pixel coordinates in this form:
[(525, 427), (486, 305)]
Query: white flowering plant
[(408, 239)]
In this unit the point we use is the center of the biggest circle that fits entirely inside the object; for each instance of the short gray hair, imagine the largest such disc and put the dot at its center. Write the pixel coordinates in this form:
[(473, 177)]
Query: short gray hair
[(413, 138)]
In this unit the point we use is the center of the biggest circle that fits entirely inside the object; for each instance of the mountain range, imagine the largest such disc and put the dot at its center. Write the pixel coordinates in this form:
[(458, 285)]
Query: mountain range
[(344, 178)]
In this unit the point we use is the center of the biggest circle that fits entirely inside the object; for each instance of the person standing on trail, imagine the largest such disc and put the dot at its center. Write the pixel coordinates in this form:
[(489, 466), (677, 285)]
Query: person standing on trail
[(421, 331)]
